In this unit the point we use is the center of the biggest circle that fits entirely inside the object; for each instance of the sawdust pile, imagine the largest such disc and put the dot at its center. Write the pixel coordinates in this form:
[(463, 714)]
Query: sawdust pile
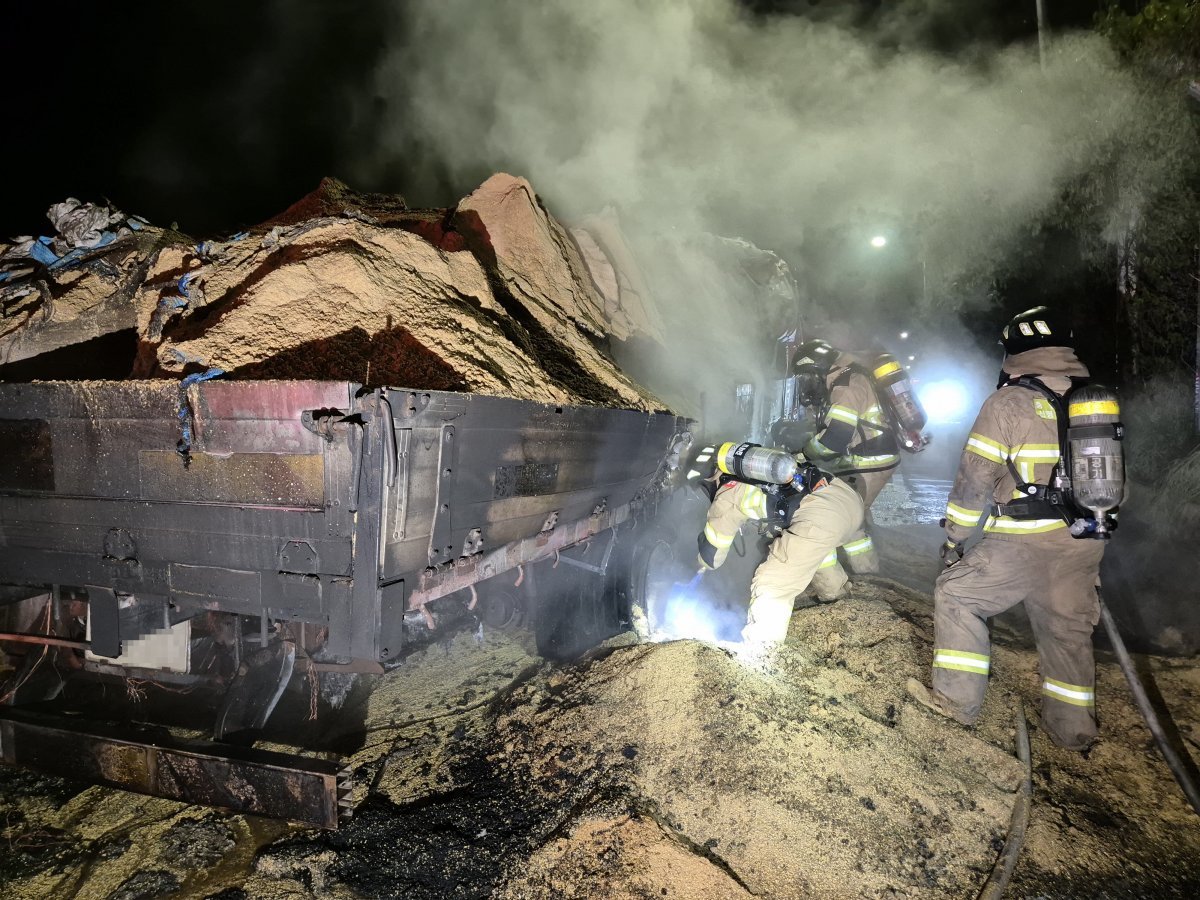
[(492, 295), (676, 770)]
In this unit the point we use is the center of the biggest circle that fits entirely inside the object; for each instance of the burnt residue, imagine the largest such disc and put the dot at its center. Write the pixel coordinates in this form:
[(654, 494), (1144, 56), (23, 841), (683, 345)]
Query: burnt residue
[(26, 455), (333, 197), (389, 357), (459, 843), (435, 226)]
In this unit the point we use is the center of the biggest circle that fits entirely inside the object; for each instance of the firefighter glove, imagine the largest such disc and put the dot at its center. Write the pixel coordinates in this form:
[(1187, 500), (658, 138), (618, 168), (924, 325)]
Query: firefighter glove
[(951, 553)]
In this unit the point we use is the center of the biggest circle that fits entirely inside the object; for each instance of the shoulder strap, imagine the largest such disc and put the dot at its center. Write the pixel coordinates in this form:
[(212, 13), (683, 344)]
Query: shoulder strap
[(1059, 404)]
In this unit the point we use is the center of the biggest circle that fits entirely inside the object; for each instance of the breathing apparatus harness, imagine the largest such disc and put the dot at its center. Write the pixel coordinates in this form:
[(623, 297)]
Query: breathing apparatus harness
[(883, 442), (784, 499), (1057, 499), (784, 480)]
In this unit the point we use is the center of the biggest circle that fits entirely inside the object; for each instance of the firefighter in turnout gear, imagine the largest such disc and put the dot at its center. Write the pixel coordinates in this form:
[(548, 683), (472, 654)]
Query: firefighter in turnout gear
[(815, 515), (853, 438), (1027, 557)]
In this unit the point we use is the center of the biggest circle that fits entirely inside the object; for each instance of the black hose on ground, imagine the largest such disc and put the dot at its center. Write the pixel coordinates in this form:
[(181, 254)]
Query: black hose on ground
[(1018, 822), (1174, 761)]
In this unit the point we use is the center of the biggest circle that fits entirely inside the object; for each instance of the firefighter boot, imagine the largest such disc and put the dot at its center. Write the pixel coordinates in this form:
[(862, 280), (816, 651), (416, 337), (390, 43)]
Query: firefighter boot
[(935, 702)]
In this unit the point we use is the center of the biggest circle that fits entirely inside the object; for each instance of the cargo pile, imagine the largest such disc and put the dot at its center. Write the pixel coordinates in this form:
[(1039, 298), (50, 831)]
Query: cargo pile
[(493, 296)]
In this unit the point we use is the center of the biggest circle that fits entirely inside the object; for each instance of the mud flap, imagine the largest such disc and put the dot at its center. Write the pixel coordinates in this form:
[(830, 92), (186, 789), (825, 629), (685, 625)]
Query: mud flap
[(256, 689), (37, 680)]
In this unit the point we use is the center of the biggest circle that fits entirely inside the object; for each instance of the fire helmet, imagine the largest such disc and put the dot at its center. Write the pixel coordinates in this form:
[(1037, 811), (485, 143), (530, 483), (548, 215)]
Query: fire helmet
[(813, 362), (1037, 327), (816, 354)]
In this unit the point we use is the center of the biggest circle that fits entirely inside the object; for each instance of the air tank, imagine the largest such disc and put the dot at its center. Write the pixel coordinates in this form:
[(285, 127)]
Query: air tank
[(753, 462), (896, 389), (1094, 444)]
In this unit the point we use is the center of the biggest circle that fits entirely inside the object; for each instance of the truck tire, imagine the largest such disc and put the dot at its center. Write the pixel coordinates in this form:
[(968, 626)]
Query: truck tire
[(653, 569), (573, 610)]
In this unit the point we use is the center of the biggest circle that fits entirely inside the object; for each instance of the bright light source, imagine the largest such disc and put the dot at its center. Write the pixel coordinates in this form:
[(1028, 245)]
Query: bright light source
[(911, 358), (904, 335), (944, 401), (878, 241)]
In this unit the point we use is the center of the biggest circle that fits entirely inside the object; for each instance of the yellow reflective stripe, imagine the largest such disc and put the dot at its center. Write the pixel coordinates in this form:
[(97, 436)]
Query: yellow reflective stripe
[(1007, 525), (873, 462), (962, 661), (717, 539), (1075, 694), (1043, 452), (830, 560), (960, 515), (1094, 408), (1036, 453), (887, 369), (855, 547), (986, 447), (843, 414), (754, 503)]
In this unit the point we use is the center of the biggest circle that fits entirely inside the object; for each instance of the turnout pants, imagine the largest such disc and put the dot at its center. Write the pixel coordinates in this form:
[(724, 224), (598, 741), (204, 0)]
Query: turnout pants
[(860, 552), (801, 555), (1055, 577)]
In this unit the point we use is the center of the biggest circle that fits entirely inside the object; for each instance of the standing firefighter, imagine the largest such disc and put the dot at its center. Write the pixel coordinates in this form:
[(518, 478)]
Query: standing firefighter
[(810, 512), (1022, 457), (854, 438)]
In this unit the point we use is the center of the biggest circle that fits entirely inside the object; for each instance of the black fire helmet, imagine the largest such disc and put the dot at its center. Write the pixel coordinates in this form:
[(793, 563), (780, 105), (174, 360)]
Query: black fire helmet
[(1037, 327), (814, 360)]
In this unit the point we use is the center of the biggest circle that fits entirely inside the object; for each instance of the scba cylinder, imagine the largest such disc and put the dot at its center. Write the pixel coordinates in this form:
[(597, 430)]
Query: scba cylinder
[(753, 462), (897, 389), (1094, 436)]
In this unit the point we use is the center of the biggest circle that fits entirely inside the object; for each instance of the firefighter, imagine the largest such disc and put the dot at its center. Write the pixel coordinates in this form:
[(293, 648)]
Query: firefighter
[(828, 514), (853, 439), (1020, 559)]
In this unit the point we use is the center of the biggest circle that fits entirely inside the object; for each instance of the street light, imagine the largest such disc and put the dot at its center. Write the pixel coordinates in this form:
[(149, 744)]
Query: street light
[(878, 241), (904, 335)]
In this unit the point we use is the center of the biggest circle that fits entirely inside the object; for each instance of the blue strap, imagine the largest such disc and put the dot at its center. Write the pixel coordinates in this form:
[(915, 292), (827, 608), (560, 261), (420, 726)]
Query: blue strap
[(184, 445)]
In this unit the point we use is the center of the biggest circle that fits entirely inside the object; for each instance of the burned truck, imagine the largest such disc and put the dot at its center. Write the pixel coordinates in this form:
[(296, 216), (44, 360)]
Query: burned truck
[(305, 527), (289, 457)]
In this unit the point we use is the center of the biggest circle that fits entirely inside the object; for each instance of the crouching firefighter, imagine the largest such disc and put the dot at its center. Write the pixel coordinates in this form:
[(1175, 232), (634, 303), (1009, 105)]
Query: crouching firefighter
[(809, 513), (1045, 452), (856, 433)]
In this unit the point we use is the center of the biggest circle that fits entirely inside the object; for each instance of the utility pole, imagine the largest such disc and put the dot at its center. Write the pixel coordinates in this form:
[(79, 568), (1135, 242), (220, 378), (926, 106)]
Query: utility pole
[(1041, 23)]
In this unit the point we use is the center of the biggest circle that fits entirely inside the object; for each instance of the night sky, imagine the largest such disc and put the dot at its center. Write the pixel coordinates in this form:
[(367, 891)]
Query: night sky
[(218, 115)]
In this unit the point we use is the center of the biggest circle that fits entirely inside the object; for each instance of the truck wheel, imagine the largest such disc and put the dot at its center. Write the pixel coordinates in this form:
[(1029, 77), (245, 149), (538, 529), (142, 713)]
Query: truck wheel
[(654, 568), (573, 611)]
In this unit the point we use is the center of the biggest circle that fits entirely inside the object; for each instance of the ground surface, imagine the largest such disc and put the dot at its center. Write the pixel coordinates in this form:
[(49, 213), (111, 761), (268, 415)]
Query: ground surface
[(664, 770), (672, 770)]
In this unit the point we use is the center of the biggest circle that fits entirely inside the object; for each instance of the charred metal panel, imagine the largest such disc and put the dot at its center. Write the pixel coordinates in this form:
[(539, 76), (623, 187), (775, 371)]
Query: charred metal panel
[(441, 538), (104, 618), (240, 590), (256, 479), (263, 416), (259, 782), (26, 455), (528, 480), (304, 500)]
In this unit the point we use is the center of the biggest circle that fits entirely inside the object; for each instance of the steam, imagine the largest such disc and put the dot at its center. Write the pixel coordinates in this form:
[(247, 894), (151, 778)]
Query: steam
[(805, 137), (690, 114)]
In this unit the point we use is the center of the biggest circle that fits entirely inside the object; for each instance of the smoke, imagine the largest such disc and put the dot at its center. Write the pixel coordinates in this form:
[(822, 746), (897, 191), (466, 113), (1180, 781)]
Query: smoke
[(691, 114), (802, 135)]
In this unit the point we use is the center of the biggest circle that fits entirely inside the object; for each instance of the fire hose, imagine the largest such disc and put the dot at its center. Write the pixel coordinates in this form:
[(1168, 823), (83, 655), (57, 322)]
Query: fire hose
[(993, 889), (1174, 760)]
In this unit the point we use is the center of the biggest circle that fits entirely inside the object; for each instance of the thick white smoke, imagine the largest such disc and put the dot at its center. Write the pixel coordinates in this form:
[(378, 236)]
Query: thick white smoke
[(692, 115)]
